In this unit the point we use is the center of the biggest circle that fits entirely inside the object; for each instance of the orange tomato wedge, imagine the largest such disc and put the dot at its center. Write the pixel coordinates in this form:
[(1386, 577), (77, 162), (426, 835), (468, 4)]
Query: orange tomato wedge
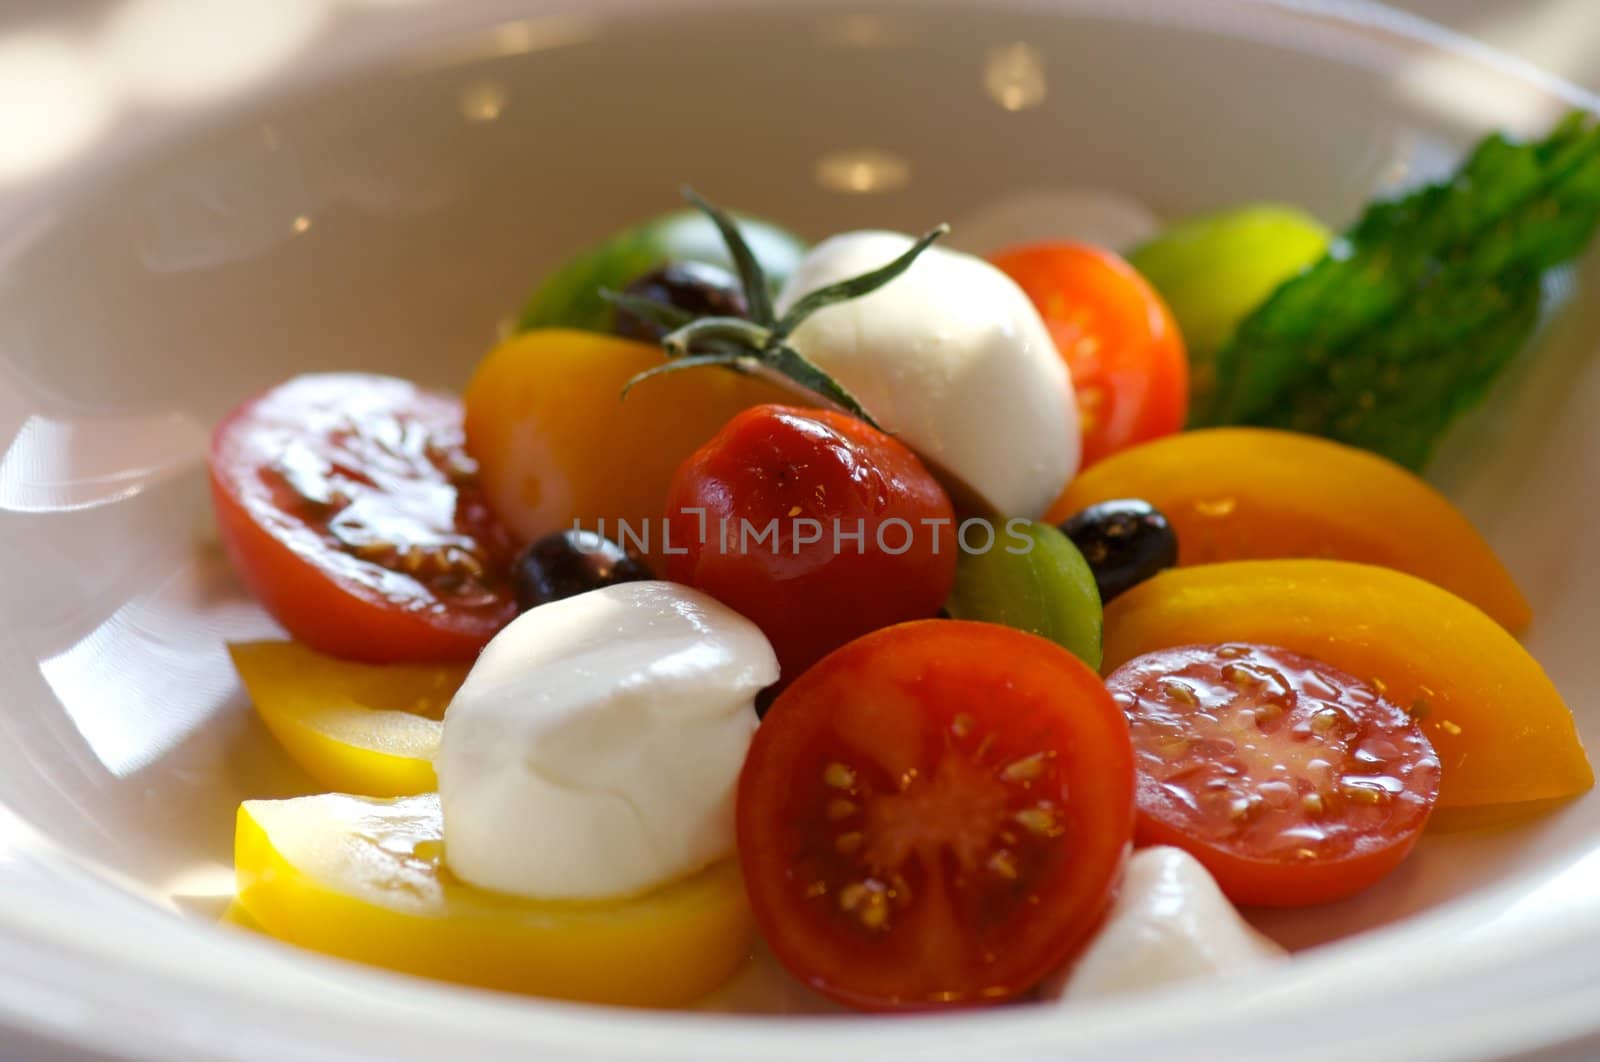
[(556, 443), (1253, 493), (1502, 731)]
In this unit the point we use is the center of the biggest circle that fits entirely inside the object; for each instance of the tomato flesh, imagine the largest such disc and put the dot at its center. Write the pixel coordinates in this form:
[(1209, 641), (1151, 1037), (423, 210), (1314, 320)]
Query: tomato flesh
[(1291, 780), (350, 509), (935, 815), (1129, 368)]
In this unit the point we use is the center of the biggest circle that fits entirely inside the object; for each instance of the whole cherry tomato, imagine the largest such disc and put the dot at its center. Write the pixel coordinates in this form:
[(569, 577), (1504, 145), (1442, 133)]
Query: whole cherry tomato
[(1129, 367), (816, 526)]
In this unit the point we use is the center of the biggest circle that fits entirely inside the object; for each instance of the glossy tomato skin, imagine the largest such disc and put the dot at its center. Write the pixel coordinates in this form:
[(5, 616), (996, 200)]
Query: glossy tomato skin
[(1129, 368), (935, 815), (349, 509), (1293, 782), (808, 473)]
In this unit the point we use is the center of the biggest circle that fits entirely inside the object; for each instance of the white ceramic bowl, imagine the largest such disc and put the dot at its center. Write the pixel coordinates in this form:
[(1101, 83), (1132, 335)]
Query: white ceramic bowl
[(387, 192)]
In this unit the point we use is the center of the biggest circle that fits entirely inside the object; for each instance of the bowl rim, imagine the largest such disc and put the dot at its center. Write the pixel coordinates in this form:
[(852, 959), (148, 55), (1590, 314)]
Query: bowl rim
[(66, 966)]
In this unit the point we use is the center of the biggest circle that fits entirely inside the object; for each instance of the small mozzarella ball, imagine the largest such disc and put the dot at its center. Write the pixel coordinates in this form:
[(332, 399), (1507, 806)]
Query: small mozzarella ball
[(1170, 923), (594, 749), (952, 358)]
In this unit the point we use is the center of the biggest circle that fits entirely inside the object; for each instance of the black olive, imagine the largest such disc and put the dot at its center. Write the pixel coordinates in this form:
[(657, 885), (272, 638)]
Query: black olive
[(1125, 541), (701, 289), (572, 562)]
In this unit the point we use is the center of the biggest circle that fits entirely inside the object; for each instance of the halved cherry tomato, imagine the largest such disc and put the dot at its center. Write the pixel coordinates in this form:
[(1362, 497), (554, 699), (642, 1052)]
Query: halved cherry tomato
[(935, 815), (351, 511), (1129, 367), (1499, 725), (1292, 781), (814, 525)]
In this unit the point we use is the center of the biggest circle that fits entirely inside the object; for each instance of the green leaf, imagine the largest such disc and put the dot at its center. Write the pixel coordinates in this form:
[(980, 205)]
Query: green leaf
[(853, 287), (758, 296), (757, 344), (794, 366), (1406, 321)]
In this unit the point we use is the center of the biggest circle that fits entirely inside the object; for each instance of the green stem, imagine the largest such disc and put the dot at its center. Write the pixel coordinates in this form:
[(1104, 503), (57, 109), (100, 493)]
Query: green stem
[(853, 287), (758, 297), (711, 329), (757, 344), (663, 314)]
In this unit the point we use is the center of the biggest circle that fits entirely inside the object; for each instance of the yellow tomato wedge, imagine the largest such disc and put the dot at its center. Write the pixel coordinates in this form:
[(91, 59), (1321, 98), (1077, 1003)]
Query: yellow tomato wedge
[(1503, 733), (1257, 494), (356, 728), (556, 443), (237, 917), (362, 879)]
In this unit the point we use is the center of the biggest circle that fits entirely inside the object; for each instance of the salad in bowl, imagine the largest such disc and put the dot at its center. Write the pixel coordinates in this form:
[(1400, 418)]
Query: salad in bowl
[(953, 630)]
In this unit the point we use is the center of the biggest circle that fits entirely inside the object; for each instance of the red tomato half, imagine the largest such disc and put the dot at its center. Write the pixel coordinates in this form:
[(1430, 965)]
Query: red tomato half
[(349, 507), (861, 535), (1292, 781), (1128, 363), (935, 815)]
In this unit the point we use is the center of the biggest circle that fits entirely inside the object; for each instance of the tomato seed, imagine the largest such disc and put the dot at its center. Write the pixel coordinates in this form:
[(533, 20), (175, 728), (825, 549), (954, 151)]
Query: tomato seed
[(1024, 770), (1364, 794), (1180, 692), (1040, 820), (851, 896), (838, 776)]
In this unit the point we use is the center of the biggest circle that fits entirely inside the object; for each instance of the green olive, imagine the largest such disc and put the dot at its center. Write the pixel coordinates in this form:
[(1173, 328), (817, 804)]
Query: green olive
[(570, 297), (1033, 579), (1214, 269)]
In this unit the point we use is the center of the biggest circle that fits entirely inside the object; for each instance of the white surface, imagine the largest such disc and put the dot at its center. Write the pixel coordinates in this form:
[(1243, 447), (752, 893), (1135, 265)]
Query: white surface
[(935, 353), (595, 747), (182, 262), (1099, 216), (1170, 923)]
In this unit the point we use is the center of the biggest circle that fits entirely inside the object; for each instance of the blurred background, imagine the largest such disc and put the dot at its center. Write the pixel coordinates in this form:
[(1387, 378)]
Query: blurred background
[(72, 72), (76, 75)]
